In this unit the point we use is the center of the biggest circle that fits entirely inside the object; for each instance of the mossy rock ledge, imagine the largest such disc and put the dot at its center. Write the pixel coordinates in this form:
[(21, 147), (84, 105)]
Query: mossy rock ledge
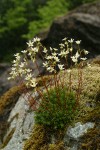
[(22, 134)]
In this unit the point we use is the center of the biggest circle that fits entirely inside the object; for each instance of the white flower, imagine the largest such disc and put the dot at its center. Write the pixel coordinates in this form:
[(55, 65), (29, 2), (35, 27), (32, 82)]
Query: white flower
[(25, 60), (62, 45), (63, 53), (45, 50), (66, 43), (13, 74), (14, 61), (54, 54), (24, 51), (55, 49), (61, 67), (83, 58), (9, 78), (33, 59), (36, 39), (27, 84), (21, 71), (64, 39), (78, 42), (35, 49), (49, 57), (17, 54), (33, 82), (28, 77), (77, 55), (51, 49), (86, 52), (56, 58), (30, 53), (74, 59), (71, 49), (45, 64), (22, 64), (13, 68), (71, 40), (15, 65), (50, 69), (28, 70), (30, 43)]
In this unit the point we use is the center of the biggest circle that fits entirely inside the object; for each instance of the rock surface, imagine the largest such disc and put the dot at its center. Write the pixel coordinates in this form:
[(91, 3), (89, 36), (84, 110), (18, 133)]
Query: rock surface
[(21, 123), (82, 23), (79, 130), (73, 134), (4, 73)]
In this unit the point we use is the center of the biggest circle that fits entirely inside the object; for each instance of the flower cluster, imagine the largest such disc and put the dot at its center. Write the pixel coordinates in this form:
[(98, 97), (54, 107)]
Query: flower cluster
[(52, 59), (20, 67), (54, 56)]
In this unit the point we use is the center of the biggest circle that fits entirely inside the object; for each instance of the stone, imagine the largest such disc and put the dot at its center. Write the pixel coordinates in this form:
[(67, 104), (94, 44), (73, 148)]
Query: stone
[(74, 134), (79, 130), (83, 23), (4, 83), (21, 119)]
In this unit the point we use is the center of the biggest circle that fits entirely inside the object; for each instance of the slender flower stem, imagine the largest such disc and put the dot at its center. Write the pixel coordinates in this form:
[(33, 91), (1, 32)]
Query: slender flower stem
[(46, 87)]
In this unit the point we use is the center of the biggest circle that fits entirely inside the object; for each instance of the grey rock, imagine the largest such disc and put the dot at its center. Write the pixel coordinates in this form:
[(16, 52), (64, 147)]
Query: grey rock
[(4, 83), (83, 23), (79, 130), (74, 134), (22, 120)]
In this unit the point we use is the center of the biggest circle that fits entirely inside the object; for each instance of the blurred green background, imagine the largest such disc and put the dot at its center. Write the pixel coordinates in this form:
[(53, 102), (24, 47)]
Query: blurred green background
[(22, 20)]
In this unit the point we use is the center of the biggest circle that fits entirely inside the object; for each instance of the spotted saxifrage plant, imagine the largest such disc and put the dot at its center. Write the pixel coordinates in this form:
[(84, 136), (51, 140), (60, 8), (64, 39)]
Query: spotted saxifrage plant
[(52, 59), (57, 95)]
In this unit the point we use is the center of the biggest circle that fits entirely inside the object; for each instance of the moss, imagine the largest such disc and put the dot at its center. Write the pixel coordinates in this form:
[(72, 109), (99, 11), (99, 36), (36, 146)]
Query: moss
[(97, 98), (38, 139), (15, 116), (44, 79), (96, 61), (93, 116), (10, 97), (7, 102), (90, 95), (3, 126), (58, 146), (91, 140), (8, 138)]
